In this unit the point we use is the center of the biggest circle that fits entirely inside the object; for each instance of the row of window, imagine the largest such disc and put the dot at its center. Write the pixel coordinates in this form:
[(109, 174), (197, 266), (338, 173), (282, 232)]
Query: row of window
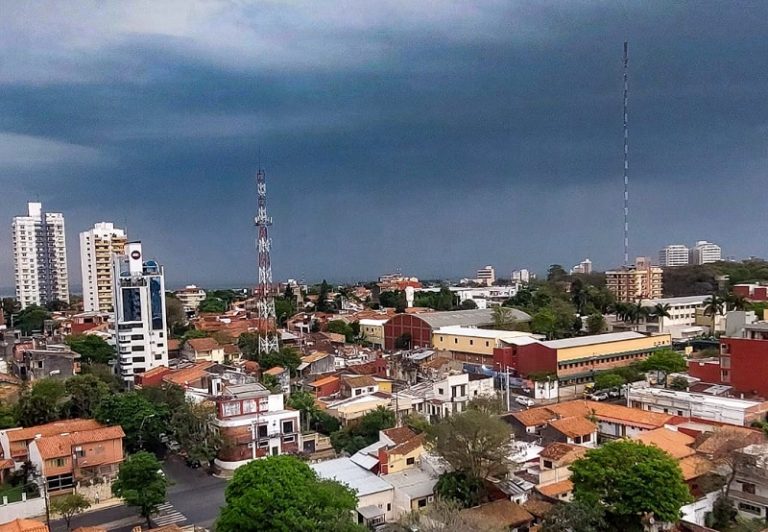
[(592, 362)]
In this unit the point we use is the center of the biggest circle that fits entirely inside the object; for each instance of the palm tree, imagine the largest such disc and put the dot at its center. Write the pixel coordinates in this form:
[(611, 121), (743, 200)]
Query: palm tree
[(661, 311), (713, 306), (621, 310), (737, 301)]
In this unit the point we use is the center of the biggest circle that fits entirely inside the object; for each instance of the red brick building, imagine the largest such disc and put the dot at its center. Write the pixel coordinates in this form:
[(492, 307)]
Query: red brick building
[(415, 330)]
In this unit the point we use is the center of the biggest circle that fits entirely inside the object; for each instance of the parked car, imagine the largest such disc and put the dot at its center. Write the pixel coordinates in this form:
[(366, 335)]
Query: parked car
[(525, 401), (614, 392), (598, 396)]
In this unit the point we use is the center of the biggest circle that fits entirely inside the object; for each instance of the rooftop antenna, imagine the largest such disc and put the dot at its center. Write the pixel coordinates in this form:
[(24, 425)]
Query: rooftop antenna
[(626, 158)]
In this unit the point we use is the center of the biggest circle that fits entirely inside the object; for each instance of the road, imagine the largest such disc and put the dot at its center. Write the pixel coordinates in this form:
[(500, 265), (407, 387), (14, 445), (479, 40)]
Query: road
[(194, 497)]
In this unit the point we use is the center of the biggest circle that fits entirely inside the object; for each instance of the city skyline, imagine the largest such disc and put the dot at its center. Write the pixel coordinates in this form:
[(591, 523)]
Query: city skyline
[(433, 140)]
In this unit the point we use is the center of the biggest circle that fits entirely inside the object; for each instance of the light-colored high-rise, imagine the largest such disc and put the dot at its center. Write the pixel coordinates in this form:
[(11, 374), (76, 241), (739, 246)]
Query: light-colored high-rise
[(97, 246), (486, 276), (629, 284), (705, 252), (674, 255), (40, 257), (140, 326), (584, 267)]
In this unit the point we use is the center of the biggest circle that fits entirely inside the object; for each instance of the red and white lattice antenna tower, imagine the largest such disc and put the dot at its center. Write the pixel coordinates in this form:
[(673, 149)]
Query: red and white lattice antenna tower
[(265, 304), (626, 155)]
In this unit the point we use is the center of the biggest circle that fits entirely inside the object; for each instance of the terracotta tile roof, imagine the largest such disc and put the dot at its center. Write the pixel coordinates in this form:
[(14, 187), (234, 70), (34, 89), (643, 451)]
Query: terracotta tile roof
[(154, 372), (185, 376), (52, 429), (277, 370), (724, 438), (325, 380), (574, 426), (203, 344), (538, 508), (359, 381), (314, 357), (400, 434), (57, 446), (23, 525), (565, 452), (251, 366), (7, 464), (694, 466), (10, 379), (231, 349), (89, 529), (556, 489), (627, 415), (503, 514), (408, 446), (174, 344), (534, 417), (677, 444)]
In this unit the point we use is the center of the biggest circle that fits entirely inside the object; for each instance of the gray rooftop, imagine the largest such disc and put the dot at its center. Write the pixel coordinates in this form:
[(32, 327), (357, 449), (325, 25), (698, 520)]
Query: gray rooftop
[(593, 339), (476, 318), (347, 472), (414, 482)]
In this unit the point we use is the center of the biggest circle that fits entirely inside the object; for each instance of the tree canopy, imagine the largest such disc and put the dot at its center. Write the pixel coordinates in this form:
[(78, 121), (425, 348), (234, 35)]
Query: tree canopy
[(354, 437), (41, 403), (68, 506), (630, 479), (212, 304), (282, 493), (141, 483), (142, 421), (576, 516), (85, 392), (32, 319), (91, 348), (664, 361)]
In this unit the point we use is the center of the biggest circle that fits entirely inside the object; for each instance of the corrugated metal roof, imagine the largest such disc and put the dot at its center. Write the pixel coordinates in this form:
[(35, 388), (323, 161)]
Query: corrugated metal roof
[(347, 472), (593, 339), (476, 317)]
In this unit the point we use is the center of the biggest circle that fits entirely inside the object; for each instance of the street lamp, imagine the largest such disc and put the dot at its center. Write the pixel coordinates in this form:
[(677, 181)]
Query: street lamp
[(141, 429)]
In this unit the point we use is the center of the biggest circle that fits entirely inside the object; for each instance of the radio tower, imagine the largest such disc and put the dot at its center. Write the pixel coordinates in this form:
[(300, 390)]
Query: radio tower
[(265, 305), (626, 160)]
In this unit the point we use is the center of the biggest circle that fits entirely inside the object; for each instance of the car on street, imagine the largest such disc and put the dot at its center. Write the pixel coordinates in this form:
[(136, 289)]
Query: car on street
[(525, 401), (614, 393), (598, 396)]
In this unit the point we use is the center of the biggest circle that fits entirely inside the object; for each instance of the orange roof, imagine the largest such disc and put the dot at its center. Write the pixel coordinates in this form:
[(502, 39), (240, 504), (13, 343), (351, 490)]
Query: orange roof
[(535, 416), (503, 514), (231, 349), (359, 381), (159, 370), (556, 489), (408, 446), (573, 427), (174, 344), (675, 443), (627, 415), (537, 507), (52, 429), (57, 446), (725, 439), (203, 344), (314, 357), (90, 529), (566, 452), (399, 434), (694, 466), (277, 370), (23, 525), (184, 376), (325, 380)]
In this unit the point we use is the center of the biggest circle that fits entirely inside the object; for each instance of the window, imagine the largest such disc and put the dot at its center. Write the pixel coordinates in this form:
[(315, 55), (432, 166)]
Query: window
[(471, 342), (289, 439), (440, 391), (422, 503), (59, 462), (389, 506), (288, 426), (79, 452), (748, 487), (262, 431), (749, 508), (455, 340), (547, 464), (410, 461)]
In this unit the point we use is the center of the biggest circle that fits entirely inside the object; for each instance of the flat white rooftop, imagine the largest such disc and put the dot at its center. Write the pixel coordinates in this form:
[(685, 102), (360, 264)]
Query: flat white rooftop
[(675, 301), (711, 400), (458, 330), (593, 339)]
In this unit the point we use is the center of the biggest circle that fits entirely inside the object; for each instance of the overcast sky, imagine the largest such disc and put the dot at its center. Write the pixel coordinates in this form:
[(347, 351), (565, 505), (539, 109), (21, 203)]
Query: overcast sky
[(433, 137)]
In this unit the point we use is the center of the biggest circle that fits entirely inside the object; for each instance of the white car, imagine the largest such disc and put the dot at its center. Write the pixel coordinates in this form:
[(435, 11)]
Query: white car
[(525, 401)]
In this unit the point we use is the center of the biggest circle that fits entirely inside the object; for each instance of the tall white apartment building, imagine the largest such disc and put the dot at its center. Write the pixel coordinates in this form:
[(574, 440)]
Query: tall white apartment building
[(140, 326), (674, 255), (97, 246), (705, 252), (40, 257), (486, 276), (584, 266)]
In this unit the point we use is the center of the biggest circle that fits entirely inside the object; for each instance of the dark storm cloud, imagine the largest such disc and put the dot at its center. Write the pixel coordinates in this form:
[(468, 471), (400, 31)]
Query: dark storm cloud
[(434, 139)]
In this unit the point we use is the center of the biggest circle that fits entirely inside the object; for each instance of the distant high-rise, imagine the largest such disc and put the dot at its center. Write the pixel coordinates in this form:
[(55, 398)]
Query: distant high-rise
[(584, 267), (486, 276), (674, 255), (97, 246), (705, 252), (140, 326), (641, 281), (40, 257), (522, 276)]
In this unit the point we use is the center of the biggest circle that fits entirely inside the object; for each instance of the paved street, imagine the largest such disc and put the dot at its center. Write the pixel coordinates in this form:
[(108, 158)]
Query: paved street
[(194, 498)]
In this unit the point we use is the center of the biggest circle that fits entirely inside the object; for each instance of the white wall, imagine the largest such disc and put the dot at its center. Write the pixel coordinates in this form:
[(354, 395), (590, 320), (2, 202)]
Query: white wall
[(380, 499)]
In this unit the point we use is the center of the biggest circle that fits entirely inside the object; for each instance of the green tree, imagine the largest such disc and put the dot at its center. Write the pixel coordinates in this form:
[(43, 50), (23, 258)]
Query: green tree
[(630, 479), (343, 328), (595, 323), (174, 311), (664, 362), (714, 306), (68, 506), (304, 402), (7, 416), (475, 442), (504, 318), (105, 374), (461, 487), (556, 273), (323, 305), (468, 304), (91, 348), (282, 493), (284, 309), (723, 514), (679, 383), (576, 516), (41, 403), (141, 420), (325, 423), (353, 438), (192, 427), (86, 392), (10, 307), (212, 304), (545, 322), (31, 319), (604, 381), (141, 483)]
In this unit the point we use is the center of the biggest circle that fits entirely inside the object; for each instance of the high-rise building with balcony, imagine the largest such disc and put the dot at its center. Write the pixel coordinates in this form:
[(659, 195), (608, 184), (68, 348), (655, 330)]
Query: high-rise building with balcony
[(486, 276), (705, 252), (674, 255), (97, 247), (40, 257), (140, 326), (641, 281)]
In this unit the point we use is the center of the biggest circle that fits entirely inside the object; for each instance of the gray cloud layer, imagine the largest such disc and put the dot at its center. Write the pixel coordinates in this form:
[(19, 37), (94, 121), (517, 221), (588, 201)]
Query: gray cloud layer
[(433, 137)]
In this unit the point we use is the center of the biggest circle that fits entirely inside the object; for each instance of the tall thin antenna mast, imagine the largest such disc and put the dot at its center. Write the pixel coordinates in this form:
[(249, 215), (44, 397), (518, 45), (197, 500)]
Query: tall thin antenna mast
[(265, 305), (626, 159)]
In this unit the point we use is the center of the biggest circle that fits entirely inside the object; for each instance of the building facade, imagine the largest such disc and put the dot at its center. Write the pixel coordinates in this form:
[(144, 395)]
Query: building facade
[(486, 276), (140, 323), (97, 246), (641, 281), (705, 252), (674, 255), (584, 267), (191, 297), (40, 257)]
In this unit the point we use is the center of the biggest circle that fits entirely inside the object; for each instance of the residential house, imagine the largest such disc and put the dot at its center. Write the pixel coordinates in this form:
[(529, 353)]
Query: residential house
[(203, 349), (57, 362), (573, 430), (413, 489), (749, 489), (351, 409), (677, 444), (66, 459), (554, 470), (402, 450), (502, 515), (317, 363), (283, 377), (372, 331), (357, 385), (15, 442), (325, 386), (253, 422), (447, 396)]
